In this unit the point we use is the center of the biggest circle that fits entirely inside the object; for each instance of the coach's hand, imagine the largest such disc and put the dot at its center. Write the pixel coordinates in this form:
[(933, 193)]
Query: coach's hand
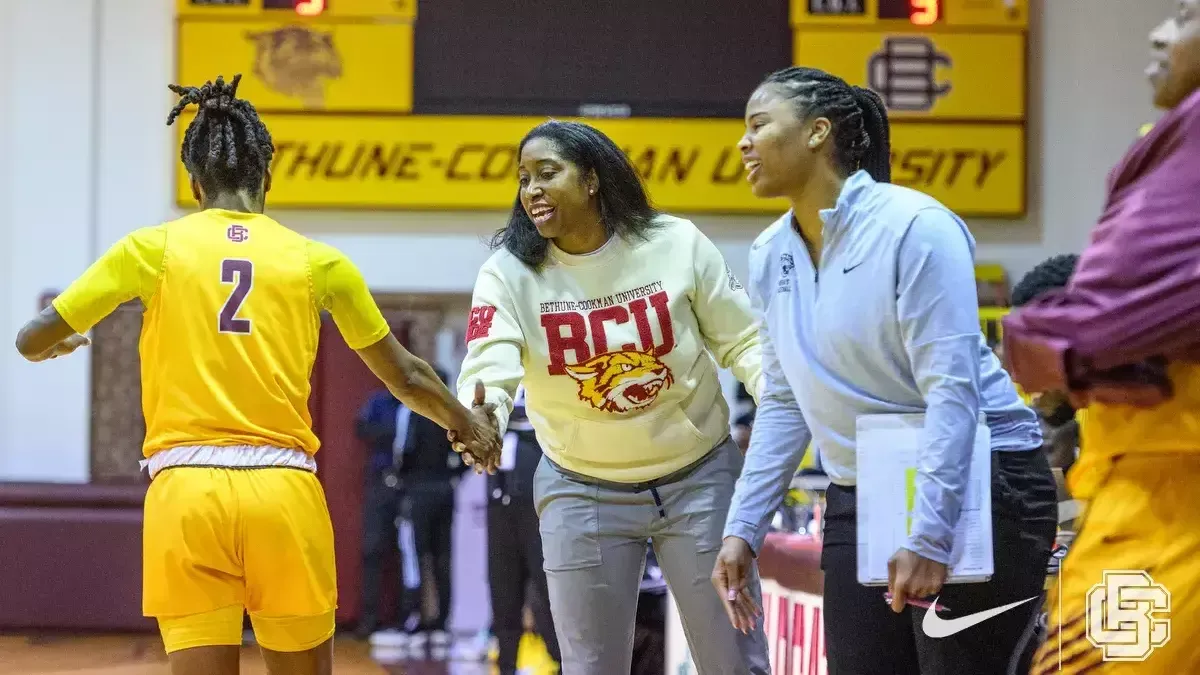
[(480, 445), (912, 577), (730, 577)]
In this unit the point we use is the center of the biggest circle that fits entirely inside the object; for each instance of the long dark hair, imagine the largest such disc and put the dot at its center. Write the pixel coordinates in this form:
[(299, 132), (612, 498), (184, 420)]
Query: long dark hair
[(861, 134), (625, 209)]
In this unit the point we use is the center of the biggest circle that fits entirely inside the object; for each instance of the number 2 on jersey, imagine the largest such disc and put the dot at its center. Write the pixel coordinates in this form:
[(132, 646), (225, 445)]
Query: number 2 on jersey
[(241, 273)]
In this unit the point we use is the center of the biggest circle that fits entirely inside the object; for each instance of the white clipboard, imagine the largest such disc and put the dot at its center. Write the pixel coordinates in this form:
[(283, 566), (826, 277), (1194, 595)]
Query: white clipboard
[(887, 467)]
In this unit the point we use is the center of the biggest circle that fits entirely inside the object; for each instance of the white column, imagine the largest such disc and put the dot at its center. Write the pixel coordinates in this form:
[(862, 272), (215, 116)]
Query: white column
[(50, 50)]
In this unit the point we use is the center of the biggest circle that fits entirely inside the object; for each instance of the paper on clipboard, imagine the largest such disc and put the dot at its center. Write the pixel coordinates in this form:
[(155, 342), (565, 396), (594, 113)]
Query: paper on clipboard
[(886, 480)]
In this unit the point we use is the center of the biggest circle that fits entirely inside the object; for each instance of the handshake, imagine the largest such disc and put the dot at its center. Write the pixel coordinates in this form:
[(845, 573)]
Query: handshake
[(477, 437)]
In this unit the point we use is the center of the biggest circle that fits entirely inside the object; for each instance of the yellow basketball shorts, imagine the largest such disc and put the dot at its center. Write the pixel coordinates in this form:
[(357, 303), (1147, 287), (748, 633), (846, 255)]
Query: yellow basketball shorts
[(1128, 597), (218, 542)]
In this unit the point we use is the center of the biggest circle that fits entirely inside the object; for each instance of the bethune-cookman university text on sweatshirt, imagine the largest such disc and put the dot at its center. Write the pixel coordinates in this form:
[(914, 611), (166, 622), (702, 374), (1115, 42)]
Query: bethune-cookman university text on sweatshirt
[(616, 350)]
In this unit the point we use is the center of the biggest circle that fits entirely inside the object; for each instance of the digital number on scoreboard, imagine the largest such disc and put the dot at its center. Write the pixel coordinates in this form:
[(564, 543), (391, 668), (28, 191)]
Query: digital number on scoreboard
[(1003, 14), (920, 12)]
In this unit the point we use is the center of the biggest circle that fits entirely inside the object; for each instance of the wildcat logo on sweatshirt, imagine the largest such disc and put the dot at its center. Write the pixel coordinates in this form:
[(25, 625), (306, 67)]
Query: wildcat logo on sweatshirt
[(621, 381)]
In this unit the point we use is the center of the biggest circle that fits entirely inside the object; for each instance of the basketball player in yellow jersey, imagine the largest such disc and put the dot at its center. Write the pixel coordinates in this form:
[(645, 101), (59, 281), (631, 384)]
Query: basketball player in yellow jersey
[(235, 518)]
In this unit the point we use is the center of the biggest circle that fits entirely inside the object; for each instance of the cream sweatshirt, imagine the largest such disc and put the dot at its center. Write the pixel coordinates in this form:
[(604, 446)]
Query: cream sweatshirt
[(617, 350)]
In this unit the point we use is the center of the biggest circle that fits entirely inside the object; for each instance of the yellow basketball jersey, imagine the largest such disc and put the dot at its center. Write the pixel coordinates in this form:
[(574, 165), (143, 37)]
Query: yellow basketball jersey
[(229, 336)]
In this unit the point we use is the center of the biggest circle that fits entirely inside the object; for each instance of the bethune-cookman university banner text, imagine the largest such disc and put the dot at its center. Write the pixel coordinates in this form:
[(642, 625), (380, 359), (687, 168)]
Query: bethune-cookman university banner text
[(369, 112)]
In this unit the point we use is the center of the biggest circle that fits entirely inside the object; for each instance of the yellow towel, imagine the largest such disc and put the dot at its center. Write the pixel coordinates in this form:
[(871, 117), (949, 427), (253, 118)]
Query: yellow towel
[(532, 656)]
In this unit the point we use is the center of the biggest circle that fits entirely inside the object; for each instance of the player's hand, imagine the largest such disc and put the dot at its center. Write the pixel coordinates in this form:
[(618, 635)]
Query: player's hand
[(480, 442), (729, 577), (64, 347), (911, 576)]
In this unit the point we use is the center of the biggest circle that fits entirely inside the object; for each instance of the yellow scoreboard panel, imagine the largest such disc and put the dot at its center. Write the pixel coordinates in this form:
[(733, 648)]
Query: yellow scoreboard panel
[(333, 80), (299, 68), (953, 76), (302, 55)]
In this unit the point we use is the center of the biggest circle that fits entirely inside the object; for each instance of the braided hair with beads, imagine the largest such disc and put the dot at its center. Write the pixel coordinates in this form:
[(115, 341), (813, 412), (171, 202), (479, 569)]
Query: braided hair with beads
[(226, 148), (861, 135)]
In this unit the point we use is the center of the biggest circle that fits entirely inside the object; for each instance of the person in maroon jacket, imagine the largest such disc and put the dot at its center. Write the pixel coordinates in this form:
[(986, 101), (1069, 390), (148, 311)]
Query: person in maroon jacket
[(1123, 338)]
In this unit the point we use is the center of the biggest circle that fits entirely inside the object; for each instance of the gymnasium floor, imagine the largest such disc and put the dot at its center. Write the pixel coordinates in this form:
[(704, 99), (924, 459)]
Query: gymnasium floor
[(142, 655)]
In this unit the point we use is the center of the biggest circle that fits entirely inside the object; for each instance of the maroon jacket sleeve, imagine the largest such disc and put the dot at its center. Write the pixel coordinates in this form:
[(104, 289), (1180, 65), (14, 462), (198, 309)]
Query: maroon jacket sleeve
[(1136, 289)]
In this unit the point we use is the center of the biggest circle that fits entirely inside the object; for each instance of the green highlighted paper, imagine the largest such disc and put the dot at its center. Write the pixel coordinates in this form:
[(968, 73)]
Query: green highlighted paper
[(910, 496), (888, 453)]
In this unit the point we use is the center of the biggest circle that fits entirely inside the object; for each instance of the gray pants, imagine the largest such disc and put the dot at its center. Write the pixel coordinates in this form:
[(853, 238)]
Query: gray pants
[(594, 543)]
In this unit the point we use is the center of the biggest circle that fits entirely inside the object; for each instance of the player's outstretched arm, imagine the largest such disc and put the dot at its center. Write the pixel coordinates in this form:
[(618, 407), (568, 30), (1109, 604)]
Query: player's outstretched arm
[(340, 288), (418, 386), (414, 382), (48, 336), (127, 270)]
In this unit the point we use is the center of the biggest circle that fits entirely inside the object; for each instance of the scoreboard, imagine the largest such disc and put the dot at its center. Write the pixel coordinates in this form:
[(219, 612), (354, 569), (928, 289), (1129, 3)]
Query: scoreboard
[(302, 55), (306, 8), (953, 76), (1005, 14), (368, 111)]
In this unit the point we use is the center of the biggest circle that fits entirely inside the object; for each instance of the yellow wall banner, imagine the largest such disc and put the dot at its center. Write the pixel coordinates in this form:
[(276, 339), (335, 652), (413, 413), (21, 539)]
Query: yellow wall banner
[(689, 165), (464, 162), (975, 169), (295, 65)]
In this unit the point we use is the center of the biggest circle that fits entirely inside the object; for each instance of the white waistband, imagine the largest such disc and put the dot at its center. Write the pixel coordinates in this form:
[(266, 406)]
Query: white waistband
[(229, 456)]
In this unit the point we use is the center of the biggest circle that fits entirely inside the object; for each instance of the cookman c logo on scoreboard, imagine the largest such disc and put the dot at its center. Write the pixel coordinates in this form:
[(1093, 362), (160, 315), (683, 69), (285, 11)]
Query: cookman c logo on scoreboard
[(904, 72)]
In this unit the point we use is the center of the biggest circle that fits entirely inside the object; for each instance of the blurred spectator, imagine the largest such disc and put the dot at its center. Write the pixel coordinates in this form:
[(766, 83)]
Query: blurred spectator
[(376, 426), (1059, 424), (429, 470), (743, 423), (1051, 273), (650, 631), (411, 478), (515, 544), (799, 506)]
